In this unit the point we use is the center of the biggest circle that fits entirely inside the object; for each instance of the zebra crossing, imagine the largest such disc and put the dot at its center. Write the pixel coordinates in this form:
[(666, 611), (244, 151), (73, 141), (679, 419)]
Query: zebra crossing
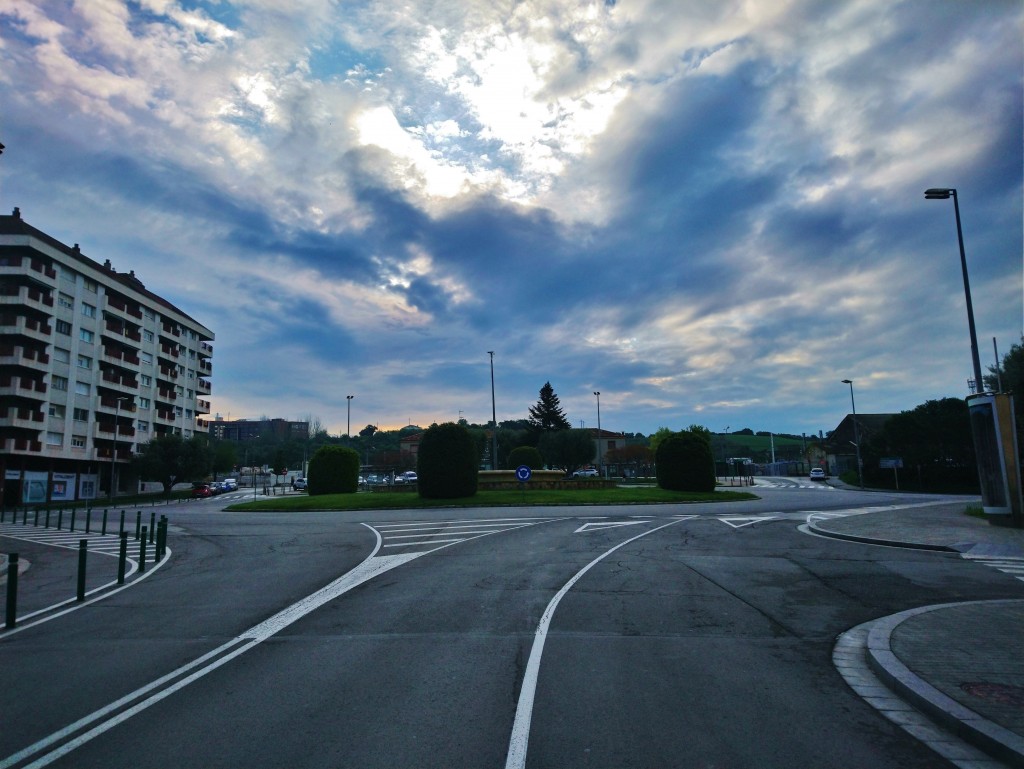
[(433, 535), (106, 544), (996, 558)]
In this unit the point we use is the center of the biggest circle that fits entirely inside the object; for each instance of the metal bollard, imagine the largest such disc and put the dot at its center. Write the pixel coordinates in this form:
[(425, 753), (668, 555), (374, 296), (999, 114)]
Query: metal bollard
[(122, 558), (83, 544), (104, 531), (138, 523), (35, 521), (12, 590), (121, 530), (47, 517), (88, 519), (142, 551), (162, 539), (73, 513), (24, 517), (152, 528), (60, 518)]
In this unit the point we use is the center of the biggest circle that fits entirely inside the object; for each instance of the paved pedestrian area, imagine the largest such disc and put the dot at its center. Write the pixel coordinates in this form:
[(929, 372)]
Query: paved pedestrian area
[(960, 664)]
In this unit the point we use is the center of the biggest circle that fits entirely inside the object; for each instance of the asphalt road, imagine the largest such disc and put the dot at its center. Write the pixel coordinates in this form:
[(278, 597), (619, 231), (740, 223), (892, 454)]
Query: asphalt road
[(689, 636)]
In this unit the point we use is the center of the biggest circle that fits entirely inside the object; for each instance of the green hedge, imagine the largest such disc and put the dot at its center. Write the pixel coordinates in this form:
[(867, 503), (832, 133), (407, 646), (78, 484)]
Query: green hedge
[(685, 463), (333, 470), (447, 462), (525, 455)]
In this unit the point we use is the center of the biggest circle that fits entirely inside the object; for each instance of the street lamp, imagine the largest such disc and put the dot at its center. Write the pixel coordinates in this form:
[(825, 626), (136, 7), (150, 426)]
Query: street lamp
[(944, 193), (348, 424), (856, 434), (494, 419), (600, 467)]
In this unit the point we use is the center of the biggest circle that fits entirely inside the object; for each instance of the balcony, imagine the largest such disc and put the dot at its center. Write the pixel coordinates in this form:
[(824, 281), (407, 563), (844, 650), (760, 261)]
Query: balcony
[(203, 386), (171, 330), (105, 431), (22, 445), (205, 349), (202, 407), (120, 383), (27, 327), (165, 416), (120, 358), (110, 403), (116, 304), (206, 367), (118, 329), (124, 453), (24, 419), (26, 295), (23, 387), (24, 358), (24, 265)]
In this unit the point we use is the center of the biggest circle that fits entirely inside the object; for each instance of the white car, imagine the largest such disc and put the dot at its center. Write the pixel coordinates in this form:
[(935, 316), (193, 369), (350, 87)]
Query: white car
[(586, 472), (817, 474), (299, 484), (409, 476)]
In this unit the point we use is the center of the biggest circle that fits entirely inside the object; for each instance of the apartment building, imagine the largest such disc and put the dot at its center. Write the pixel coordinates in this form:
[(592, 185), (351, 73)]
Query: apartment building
[(92, 365)]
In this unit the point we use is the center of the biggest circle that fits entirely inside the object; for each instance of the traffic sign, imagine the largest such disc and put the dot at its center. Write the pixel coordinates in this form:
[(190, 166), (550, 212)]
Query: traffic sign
[(523, 473)]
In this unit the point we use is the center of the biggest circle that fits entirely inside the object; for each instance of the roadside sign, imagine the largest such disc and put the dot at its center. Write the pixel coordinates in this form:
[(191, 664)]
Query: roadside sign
[(890, 462), (523, 473)]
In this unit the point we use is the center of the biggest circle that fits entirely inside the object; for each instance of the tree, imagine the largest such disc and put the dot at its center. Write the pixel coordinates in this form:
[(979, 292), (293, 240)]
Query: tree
[(225, 457), (684, 462), (567, 449), (547, 415), (526, 455), (1011, 374), (368, 431), (169, 459), (333, 470), (446, 464)]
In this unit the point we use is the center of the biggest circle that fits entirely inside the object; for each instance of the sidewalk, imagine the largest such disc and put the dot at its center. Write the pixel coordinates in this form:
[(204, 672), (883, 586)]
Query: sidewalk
[(961, 663)]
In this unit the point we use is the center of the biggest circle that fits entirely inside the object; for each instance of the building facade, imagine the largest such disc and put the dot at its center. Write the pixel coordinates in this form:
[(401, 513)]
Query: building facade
[(92, 365), (241, 430)]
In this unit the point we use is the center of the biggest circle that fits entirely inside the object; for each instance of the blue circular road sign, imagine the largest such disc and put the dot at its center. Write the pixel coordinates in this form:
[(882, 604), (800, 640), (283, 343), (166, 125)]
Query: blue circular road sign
[(523, 473)]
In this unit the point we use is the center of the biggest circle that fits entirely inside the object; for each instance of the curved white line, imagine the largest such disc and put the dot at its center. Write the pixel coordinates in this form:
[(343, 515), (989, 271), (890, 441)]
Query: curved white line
[(516, 758)]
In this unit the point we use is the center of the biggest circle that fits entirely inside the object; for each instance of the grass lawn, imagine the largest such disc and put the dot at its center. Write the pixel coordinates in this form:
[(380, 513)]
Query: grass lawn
[(516, 498)]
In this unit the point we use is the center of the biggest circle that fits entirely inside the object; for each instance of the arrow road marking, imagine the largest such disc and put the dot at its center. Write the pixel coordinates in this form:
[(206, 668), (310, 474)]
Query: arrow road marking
[(737, 522), (606, 525)]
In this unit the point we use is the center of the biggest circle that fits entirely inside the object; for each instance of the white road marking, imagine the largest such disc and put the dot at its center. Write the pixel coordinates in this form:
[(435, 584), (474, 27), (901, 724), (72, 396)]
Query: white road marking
[(607, 525), (737, 521), (516, 758)]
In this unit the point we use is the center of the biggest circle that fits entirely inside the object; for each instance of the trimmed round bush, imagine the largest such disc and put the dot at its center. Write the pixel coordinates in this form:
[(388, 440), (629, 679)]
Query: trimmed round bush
[(525, 455), (446, 465), (685, 463), (333, 470)]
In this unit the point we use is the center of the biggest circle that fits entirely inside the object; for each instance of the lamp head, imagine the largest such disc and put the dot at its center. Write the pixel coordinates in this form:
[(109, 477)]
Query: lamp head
[(847, 381), (939, 193)]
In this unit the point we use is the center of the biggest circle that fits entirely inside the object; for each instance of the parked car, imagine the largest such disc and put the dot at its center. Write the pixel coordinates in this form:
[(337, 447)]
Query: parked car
[(373, 478), (299, 484), (817, 474), (586, 472), (230, 484), (409, 476), (202, 490)]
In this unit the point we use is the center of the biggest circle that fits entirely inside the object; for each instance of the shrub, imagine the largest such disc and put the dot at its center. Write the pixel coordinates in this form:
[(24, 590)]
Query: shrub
[(685, 463), (333, 470), (447, 462), (525, 455)]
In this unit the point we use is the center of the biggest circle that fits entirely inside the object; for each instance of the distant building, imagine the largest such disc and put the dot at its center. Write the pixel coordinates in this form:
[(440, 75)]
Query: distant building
[(92, 365), (241, 430), (841, 442)]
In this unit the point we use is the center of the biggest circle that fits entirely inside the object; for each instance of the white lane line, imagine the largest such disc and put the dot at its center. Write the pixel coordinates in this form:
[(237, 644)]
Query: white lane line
[(520, 738)]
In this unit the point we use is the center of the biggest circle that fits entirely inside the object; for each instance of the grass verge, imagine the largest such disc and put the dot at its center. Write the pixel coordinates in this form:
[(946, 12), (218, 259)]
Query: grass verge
[(528, 498)]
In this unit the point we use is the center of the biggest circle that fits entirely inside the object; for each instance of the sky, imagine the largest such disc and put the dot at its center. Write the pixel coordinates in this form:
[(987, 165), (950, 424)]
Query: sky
[(709, 212)]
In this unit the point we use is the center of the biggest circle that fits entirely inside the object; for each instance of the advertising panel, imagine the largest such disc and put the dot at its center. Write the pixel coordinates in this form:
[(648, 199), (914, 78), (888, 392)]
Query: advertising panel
[(62, 488), (87, 485), (33, 488)]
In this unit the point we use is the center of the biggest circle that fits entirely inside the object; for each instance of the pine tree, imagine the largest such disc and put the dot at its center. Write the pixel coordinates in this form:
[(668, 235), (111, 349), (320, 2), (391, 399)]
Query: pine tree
[(547, 415)]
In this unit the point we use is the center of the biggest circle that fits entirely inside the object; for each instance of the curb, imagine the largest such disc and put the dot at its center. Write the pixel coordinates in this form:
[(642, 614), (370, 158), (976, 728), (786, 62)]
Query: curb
[(994, 739), (877, 541)]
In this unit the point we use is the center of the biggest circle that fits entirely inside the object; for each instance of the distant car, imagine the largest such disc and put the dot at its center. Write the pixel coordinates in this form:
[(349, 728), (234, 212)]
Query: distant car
[(586, 472), (299, 484), (409, 476), (817, 474), (216, 487), (202, 490), (373, 478), (230, 484)]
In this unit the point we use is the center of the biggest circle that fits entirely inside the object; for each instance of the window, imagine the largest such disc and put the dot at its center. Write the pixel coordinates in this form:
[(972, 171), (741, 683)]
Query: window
[(142, 427), (54, 439), (63, 327), (191, 354), (59, 383), (191, 394), (68, 275), (86, 335), (82, 388), (56, 410), (148, 335), (65, 300), (188, 413), (78, 441), (145, 403), (150, 314), (81, 415), (181, 369), (90, 285), (178, 411), (147, 358), (84, 361), (146, 379), (191, 374), (60, 355), (89, 310), (181, 391)]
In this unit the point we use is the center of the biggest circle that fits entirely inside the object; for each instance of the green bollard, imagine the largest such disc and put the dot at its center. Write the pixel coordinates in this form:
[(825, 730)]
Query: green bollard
[(152, 528), (47, 517), (35, 522), (12, 590), (24, 517), (83, 544), (122, 558), (121, 530), (60, 518), (88, 519), (138, 523), (142, 551), (73, 512), (104, 532)]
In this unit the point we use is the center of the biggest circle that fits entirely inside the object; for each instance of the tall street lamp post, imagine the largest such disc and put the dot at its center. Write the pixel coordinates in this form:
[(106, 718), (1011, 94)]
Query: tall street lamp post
[(348, 423), (944, 193), (494, 419), (856, 435), (600, 463)]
